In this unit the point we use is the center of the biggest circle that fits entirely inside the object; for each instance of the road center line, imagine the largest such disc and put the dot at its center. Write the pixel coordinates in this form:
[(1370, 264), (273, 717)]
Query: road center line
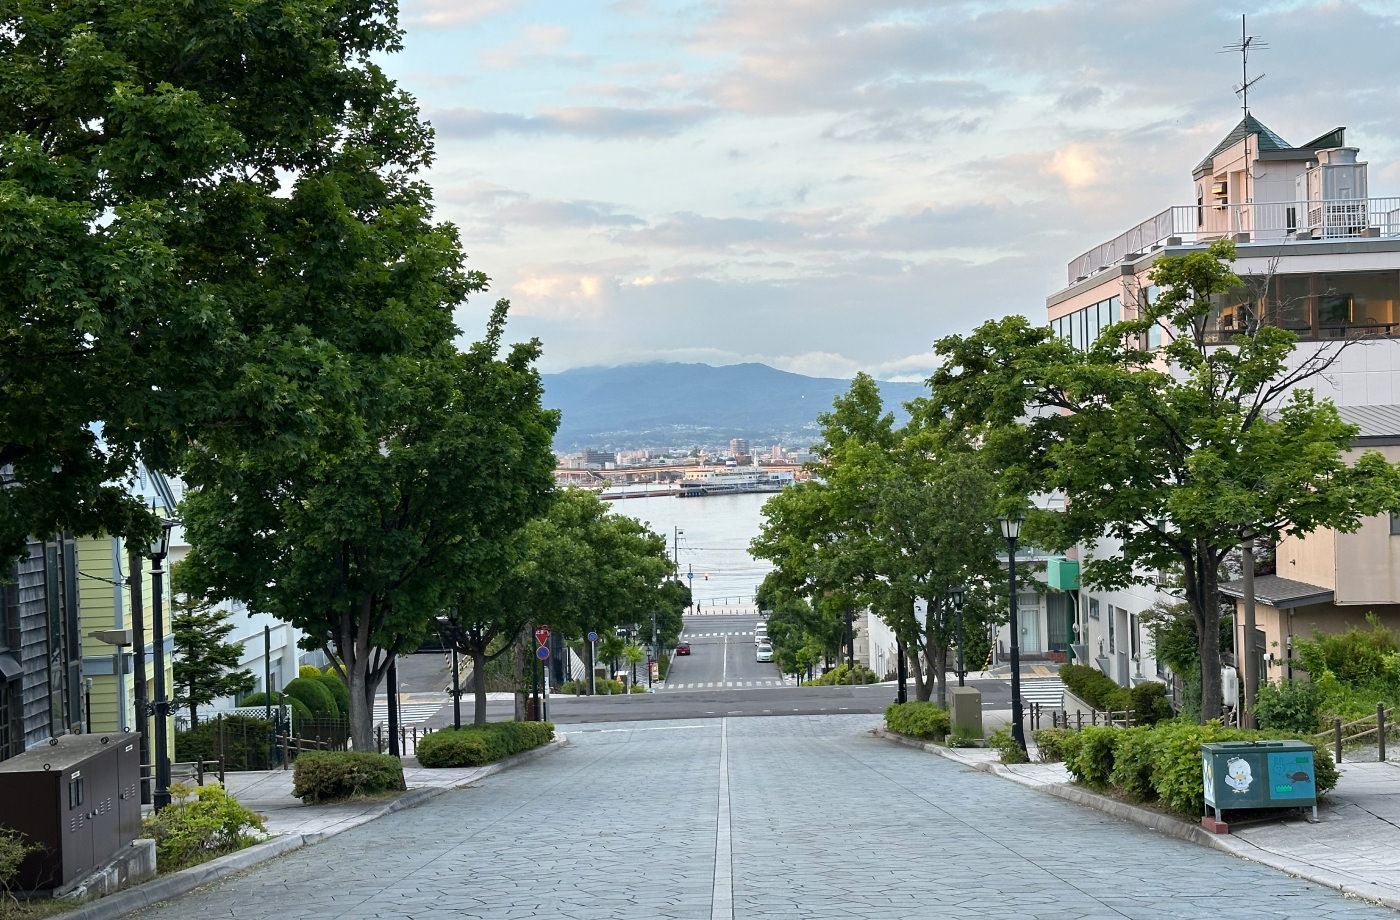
[(724, 661), (722, 897)]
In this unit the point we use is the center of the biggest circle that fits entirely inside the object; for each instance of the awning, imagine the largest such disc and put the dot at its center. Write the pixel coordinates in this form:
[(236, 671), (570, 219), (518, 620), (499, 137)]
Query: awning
[(1280, 593)]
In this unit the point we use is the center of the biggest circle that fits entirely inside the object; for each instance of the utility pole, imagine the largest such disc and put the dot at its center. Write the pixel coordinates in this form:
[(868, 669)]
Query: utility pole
[(1247, 659), (138, 644)]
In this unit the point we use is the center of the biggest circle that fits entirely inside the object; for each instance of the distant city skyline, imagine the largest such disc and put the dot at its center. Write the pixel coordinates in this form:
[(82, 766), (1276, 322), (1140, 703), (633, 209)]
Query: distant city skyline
[(830, 186)]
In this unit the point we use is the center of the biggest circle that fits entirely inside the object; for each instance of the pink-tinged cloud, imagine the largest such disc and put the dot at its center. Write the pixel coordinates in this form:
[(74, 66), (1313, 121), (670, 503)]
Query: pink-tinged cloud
[(596, 122), (453, 12)]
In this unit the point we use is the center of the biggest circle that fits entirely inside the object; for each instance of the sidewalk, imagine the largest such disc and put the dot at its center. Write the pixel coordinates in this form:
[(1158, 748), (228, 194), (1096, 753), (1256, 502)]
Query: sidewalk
[(1354, 847), (294, 825)]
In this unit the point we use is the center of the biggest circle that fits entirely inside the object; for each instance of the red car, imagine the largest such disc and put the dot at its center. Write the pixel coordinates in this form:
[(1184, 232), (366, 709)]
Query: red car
[(683, 648)]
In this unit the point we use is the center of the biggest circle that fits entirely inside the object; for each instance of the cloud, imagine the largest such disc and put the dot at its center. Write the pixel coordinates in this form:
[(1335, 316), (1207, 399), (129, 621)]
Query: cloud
[(595, 122), (1076, 165), (453, 12)]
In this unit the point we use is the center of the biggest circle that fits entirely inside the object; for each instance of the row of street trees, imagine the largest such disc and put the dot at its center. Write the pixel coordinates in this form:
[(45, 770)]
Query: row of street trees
[(1168, 458), (218, 257), (891, 515)]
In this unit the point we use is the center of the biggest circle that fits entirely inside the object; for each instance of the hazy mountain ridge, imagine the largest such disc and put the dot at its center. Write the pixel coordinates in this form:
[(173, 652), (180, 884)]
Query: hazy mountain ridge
[(682, 405)]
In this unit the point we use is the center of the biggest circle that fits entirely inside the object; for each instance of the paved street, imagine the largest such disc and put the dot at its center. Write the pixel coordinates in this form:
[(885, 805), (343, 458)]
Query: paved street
[(782, 817)]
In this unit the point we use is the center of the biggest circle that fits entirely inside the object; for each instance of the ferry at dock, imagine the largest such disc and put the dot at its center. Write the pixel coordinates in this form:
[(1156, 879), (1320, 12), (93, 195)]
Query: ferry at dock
[(731, 480)]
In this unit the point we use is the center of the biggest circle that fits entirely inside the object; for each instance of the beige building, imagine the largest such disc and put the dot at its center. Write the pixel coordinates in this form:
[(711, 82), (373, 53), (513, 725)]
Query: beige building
[(1317, 255)]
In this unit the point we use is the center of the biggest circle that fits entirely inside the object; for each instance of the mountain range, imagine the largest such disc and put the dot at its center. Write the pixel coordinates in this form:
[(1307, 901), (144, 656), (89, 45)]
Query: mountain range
[(666, 405)]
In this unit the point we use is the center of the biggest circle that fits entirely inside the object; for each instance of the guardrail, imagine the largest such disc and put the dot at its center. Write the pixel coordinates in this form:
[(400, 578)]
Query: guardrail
[(1342, 734)]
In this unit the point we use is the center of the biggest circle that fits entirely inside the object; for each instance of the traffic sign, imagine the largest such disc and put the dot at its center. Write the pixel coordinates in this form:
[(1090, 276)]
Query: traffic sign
[(592, 637), (542, 652), (542, 634)]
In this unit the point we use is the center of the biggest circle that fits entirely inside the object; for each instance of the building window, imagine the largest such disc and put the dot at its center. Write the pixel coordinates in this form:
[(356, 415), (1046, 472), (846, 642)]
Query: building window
[(1093, 604), (1394, 523), (1112, 633), (1316, 306)]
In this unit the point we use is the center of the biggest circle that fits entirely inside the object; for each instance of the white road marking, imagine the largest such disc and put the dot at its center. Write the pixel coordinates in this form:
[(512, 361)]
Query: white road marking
[(722, 896)]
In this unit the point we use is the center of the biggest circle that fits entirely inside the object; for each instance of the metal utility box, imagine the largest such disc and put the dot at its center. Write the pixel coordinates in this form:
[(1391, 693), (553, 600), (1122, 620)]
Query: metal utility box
[(1258, 774), (79, 798), (966, 710)]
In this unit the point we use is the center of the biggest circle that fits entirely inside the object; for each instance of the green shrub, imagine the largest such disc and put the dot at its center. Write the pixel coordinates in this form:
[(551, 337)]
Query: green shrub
[(576, 687), (245, 745), (330, 776), (842, 675), (1150, 703), (1002, 742), (341, 693), (1091, 759), (918, 720), (475, 745), (308, 670), (964, 736), (1095, 688), (1051, 743), (13, 852), (314, 694), (1368, 658), (637, 688), (300, 711), (1291, 706), (190, 831), (1133, 764)]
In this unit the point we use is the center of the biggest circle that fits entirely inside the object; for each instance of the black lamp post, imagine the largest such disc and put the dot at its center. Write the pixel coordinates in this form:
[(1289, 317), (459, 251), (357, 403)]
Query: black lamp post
[(160, 707), (955, 596), (1011, 530)]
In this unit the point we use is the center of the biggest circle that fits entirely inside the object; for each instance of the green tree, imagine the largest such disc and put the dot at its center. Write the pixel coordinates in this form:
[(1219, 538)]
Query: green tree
[(1175, 455), (205, 666), (358, 548), (191, 193), (577, 567)]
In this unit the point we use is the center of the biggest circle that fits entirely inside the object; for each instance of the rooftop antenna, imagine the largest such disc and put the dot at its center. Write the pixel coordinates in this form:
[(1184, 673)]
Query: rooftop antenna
[(1246, 44)]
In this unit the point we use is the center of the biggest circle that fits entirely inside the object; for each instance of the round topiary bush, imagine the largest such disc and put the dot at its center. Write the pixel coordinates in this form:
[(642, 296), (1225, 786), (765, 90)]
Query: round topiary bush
[(315, 695), (336, 685)]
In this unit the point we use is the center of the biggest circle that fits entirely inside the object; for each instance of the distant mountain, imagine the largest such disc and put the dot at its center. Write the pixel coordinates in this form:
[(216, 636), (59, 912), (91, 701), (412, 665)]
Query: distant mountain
[(685, 405)]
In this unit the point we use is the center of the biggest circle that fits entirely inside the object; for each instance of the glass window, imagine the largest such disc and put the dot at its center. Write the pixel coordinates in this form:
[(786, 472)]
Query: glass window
[(1292, 301), (1091, 321), (1115, 310), (1093, 603), (1394, 523), (1373, 295), (1154, 336)]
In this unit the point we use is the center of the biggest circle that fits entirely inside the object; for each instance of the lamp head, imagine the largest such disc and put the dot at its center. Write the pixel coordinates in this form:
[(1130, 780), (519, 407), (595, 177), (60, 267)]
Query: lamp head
[(955, 595), (1011, 526)]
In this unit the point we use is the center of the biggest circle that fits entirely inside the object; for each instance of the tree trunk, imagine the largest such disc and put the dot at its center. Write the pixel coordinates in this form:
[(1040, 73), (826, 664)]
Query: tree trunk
[(194, 712), (518, 672), (1204, 596), (922, 687), (361, 703), (940, 673), (478, 687)]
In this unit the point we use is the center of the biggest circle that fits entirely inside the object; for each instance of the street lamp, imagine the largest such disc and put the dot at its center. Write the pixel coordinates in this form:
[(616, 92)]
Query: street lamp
[(1011, 530), (955, 596), (160, 707)]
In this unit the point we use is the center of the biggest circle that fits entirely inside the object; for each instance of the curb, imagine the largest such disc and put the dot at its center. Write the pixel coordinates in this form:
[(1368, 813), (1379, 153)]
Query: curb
[(1171, 827), (163, 888)]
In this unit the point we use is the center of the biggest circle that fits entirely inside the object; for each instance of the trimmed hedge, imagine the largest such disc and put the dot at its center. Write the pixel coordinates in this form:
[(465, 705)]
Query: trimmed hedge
[(194, 830), (842, 675), (1162, 763), (331, 776), (246, 741), (918, 720), (341, 693), (475, 745), (300, 711), (315, 695), (1148, 701)]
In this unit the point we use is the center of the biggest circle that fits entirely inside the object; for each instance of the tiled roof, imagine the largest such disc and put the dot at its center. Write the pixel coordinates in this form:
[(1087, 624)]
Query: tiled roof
[(1281, 593)]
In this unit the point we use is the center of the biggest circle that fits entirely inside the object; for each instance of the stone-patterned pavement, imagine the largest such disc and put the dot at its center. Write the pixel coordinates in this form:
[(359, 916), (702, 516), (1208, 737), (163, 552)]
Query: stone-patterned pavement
[(817, 820)]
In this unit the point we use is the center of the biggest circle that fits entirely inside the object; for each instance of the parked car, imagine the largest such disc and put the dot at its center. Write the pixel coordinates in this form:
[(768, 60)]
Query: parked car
[(764, 653), (683, 648)]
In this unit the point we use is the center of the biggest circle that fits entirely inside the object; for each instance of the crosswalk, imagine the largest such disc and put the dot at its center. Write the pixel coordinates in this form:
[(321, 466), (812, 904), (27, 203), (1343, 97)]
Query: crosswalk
[(712, 635), (723, 684), (409, 713), (1047, 692)]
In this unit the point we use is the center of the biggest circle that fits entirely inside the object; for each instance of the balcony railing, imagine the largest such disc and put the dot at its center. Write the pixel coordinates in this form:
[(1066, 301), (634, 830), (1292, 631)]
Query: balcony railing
[(1264, 222)]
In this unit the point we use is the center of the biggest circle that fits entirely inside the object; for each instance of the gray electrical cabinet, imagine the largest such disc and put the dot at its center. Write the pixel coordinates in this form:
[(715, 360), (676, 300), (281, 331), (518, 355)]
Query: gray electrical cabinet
[(78, 798)]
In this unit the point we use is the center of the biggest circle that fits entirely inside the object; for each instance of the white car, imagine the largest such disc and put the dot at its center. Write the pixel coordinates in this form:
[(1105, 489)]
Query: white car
[(764, 653), (760, 635)]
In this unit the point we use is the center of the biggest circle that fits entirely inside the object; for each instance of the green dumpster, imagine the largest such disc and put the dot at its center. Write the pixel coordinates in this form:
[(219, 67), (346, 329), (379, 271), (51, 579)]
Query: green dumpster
[(1258, 774)]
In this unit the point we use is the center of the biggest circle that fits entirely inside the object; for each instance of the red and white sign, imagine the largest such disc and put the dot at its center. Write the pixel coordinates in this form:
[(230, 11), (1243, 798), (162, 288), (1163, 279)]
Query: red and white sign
[(542, 634)]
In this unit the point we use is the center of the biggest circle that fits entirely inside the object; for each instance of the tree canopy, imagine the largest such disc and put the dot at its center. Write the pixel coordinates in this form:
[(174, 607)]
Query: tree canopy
[(1169, 457)]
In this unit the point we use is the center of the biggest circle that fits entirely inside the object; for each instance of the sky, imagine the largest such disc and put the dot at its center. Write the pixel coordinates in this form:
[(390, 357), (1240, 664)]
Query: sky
[(830, 186)]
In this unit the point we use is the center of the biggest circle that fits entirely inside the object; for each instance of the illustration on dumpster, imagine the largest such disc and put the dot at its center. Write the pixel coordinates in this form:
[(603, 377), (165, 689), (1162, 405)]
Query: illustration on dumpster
[(1238, 775)]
